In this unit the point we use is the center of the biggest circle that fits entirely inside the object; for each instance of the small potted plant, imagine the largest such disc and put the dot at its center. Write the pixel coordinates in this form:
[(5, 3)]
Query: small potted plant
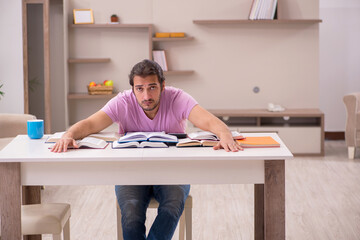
[(1, 92), (114, 18)]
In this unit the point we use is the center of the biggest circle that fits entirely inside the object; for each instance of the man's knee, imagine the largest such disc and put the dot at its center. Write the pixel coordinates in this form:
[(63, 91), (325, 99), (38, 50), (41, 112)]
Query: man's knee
[(132, 213), (172, 199), (173, 207)]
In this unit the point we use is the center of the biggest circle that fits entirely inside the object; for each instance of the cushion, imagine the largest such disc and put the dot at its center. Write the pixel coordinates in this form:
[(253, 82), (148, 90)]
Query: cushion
[(12, 125), (46, 218), (4, 142)]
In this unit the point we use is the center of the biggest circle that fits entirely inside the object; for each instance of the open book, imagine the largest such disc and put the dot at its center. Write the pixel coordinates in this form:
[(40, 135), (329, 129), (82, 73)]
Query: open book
[(89, 142), (148, 136), (258, 142), (187, 142), (204, 139), (144, 144), (106, 136), (204, 135)]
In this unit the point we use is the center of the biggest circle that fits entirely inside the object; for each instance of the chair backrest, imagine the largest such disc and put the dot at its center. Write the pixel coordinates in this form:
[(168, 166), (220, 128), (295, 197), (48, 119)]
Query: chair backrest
[(12, 124)]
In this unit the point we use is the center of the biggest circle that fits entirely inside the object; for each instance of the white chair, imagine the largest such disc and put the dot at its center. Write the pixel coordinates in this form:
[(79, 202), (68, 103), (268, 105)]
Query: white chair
[(185, 219), (36, 219), (46, 218)]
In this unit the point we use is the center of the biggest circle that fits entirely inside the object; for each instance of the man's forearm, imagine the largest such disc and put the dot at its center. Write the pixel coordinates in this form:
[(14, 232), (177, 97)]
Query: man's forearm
[(219, 128), (78, 130), (208, 122)]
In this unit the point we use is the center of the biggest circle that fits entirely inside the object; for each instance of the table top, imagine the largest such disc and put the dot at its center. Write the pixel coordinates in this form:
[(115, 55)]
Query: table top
[(23, 149)]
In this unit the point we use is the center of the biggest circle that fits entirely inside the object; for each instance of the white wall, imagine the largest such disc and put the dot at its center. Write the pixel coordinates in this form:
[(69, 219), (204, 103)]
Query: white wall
[(11, 57), (339, 58), (228, 60)]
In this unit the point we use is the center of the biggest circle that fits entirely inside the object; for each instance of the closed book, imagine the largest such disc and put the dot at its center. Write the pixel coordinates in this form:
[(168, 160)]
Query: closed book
[(254, 6), (162, 34), (177, 34), (258, 142), (160, 58)]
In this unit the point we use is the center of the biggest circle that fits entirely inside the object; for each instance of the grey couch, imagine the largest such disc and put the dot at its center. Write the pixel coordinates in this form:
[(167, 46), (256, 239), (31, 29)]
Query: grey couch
[(12, 125)]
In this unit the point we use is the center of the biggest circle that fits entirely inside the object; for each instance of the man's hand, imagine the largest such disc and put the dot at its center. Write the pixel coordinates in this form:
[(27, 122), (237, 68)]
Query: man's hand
[(228, 144), (63, 143)]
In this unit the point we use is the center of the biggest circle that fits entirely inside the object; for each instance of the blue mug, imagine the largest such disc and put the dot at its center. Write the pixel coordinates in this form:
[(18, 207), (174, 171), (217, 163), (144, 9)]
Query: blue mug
[(35, 128)]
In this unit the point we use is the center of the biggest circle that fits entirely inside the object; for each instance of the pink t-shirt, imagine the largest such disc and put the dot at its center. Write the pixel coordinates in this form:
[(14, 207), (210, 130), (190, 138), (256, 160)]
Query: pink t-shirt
[(174, 110)]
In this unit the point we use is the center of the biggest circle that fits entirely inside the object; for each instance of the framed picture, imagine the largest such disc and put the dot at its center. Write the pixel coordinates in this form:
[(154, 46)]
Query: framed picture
[(83, 16)]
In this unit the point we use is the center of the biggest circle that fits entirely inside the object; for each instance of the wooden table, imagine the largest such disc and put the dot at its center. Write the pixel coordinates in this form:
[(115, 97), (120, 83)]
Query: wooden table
[(30, 162)]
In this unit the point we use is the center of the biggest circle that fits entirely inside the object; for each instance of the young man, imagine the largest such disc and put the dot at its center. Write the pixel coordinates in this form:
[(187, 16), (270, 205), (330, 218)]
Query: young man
[(150, 107)]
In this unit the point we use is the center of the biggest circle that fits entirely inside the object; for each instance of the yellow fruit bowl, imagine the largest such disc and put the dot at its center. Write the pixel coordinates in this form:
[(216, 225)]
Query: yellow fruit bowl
[(100, 90)]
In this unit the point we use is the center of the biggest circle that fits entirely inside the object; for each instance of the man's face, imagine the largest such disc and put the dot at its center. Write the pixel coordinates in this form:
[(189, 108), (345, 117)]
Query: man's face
[(147, 92)]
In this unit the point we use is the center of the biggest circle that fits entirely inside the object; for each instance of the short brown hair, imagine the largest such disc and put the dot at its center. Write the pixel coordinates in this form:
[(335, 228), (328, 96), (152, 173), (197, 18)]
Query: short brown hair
[(146, 68)]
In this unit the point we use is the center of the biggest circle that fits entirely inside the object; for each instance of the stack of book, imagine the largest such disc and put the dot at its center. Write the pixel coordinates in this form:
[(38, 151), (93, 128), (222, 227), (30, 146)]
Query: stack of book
[(263, 9)]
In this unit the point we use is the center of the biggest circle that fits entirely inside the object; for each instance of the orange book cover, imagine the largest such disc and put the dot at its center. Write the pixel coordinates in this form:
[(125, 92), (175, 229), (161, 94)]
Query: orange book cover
[(255, 142), (162, 34), (177, 34)]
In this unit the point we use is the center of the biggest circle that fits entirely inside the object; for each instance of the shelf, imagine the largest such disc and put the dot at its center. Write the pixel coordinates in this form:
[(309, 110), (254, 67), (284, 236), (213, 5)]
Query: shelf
[(172, 39), (292, 125), (88, 60), (308, 112), (178, 72), (107, 25), (88, 96), (246, 21)]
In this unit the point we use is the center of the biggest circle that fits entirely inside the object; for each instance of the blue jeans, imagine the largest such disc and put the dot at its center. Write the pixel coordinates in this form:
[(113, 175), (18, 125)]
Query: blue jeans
[(133, 202)]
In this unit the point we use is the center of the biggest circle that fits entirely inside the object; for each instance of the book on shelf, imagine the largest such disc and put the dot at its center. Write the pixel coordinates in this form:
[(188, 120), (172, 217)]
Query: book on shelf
[(188, 142), (177, 34), (205, 135), (88, 142), (263, 9), (144, 144), (169, 34), (106, 136), (162, 34), (148, 136), (258, 142), (160, 58)]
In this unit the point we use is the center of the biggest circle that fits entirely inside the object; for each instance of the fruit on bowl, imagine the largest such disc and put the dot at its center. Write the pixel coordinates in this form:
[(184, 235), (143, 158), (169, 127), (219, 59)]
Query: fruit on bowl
[(108, 82), (105, 83), (105, 87)]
